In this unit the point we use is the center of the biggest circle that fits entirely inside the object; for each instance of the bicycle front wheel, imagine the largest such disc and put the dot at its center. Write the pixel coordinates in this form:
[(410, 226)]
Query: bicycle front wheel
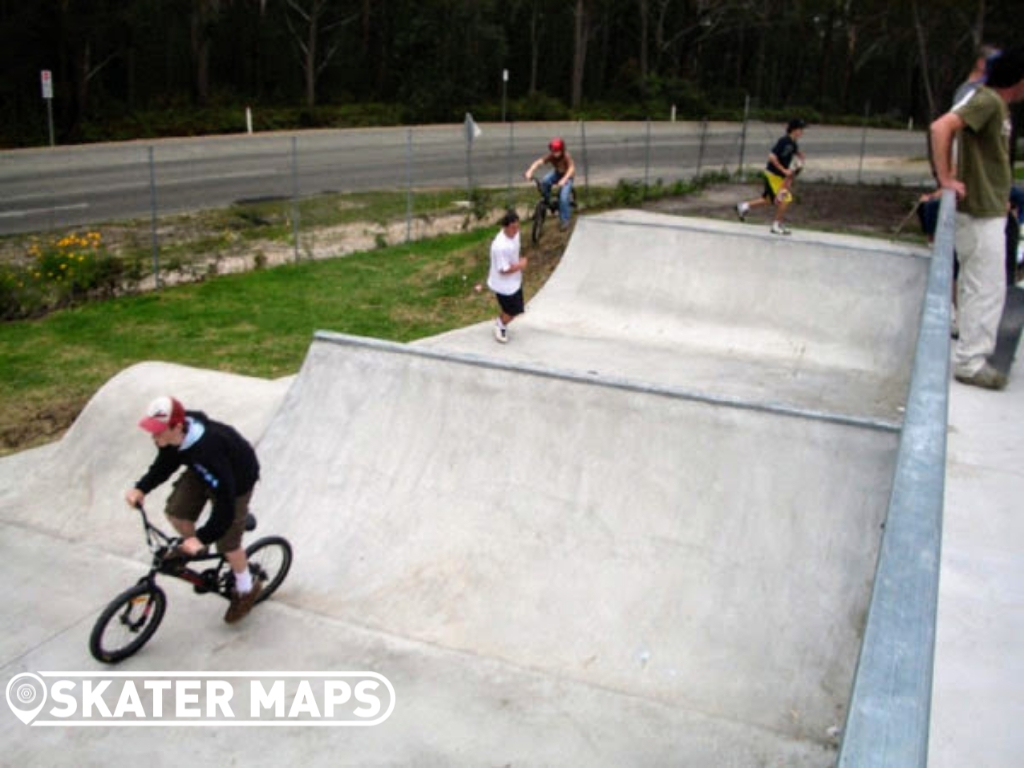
[(540, 212), (269, 561), (128, 622)]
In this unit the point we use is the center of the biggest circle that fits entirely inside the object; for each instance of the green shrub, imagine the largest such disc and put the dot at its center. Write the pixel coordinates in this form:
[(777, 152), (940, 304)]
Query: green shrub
[(57, 273)]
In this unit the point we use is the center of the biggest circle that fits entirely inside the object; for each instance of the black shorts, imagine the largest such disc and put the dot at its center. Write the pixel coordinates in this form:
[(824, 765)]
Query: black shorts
[(511, 304)]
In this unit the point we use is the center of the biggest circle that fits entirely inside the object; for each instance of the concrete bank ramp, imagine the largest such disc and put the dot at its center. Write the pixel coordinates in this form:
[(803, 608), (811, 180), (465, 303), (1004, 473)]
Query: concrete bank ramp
[(711, 558), (812, 321)]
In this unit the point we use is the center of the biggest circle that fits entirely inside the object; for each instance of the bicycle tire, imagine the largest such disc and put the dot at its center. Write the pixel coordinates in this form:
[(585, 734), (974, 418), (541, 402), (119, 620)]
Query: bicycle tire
[(540, 212), (270, 558), (135, 613)]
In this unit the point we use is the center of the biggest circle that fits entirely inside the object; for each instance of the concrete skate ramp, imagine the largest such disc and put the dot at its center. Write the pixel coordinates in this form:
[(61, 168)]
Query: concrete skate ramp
[(644, 531), (711, 558), (811, 321)]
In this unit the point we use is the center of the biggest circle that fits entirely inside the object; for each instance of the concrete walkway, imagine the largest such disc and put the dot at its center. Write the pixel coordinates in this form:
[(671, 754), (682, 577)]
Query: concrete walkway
[(978, 689)]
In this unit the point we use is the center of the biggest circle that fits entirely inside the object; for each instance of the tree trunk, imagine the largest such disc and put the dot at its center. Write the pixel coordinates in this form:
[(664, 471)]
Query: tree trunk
[(922, 49), (203, 15), (82, 78), (314, 18), (534, 50), (825, 61), (642, 4), (579, 53)]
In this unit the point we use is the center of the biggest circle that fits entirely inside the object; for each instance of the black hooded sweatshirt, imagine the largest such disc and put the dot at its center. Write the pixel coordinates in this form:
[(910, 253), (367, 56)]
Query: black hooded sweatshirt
[(222, 459)]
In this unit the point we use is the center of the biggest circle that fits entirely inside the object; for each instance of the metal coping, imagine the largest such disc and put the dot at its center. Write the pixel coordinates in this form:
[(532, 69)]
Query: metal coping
[(887, 720), (612, 382)]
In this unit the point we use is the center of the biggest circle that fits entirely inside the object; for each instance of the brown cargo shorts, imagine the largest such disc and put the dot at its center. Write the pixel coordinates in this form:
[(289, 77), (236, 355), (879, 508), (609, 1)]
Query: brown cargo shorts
[(188, 498)]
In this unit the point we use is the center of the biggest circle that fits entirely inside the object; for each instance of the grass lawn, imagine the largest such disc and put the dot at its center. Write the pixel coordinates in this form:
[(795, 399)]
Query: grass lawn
[(259, 324)]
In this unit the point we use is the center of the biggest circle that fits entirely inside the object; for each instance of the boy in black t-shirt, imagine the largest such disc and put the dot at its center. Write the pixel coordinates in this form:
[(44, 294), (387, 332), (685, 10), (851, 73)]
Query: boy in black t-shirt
[(778, 177)]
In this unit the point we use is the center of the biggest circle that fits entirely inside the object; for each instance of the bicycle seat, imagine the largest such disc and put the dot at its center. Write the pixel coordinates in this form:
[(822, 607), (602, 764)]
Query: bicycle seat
[(250, 522)]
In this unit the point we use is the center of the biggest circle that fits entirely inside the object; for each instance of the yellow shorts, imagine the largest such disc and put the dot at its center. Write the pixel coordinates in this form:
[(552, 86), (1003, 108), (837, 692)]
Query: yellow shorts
[(777, 185)]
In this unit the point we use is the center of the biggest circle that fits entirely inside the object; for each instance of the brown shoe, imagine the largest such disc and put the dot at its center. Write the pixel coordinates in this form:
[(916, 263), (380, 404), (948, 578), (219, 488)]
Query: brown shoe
[(242, 604), (987, 377)]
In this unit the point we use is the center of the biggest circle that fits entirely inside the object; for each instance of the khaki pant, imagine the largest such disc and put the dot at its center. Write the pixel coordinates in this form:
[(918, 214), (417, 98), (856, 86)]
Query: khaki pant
[(188, 498), (981, 289)]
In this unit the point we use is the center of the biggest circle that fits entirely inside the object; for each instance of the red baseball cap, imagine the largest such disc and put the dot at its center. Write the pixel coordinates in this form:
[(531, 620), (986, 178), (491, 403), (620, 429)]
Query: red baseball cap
[(163, 413)]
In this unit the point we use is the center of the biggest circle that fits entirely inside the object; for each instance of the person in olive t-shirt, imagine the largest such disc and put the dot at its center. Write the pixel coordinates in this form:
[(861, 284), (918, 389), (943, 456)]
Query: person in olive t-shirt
[(980, 125)]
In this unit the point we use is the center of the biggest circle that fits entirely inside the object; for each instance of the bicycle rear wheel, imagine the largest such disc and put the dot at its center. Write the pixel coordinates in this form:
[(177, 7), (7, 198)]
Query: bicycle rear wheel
[(269, 561), (128, 622), (540, 212)]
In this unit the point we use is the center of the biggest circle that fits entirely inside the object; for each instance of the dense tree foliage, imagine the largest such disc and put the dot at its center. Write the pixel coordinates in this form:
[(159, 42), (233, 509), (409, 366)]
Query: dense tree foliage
[(431, 60)]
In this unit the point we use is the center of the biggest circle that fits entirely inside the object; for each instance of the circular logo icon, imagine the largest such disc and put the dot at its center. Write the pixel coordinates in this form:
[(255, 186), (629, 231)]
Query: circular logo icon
[(26, 695)]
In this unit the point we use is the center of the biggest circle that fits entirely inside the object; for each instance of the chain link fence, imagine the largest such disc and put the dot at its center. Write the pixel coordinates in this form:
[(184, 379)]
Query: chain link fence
[(180, 209)]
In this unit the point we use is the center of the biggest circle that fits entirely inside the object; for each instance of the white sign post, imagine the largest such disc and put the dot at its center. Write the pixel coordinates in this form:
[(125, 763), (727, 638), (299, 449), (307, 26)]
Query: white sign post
[(46, 79)]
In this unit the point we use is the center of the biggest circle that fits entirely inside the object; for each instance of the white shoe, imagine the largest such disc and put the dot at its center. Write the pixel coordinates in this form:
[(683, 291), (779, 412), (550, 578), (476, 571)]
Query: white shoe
[(780, 229), (741, 210), (500, 334)]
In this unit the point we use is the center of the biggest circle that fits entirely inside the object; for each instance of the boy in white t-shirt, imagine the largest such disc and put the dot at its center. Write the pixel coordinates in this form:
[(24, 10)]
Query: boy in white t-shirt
[(505, 277)]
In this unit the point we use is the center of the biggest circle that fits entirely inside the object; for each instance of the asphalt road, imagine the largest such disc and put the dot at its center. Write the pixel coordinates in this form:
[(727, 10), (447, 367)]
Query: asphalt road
[(48, 188)]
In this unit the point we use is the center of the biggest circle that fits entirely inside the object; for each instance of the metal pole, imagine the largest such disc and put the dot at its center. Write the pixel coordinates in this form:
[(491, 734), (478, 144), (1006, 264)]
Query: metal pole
[(743, 134), (703, 139), (863, 140), (888, 716), (469, 158), (647, 156), (49, 118), (511, 148), (586, 165), (295, 196), (152, 220), (408, 185)]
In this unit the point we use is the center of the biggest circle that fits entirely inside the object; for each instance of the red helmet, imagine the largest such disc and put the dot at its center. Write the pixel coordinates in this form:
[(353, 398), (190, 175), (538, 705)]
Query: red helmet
[(556, 145)]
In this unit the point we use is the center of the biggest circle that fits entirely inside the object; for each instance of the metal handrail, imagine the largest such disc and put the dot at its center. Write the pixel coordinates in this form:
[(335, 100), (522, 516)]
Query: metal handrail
[(889, 711)]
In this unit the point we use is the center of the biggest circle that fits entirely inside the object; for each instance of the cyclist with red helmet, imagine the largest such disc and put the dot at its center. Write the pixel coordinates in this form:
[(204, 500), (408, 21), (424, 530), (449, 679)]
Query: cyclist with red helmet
[(560, 177)]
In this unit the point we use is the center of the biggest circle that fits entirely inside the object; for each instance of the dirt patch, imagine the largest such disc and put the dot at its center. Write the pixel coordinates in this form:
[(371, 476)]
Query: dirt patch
[(321, 243), (32, 426), (860, 209)]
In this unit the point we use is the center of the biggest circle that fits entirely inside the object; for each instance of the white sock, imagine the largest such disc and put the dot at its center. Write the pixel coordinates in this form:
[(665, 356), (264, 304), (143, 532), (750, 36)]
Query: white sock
[(501, 325), (243, 582)]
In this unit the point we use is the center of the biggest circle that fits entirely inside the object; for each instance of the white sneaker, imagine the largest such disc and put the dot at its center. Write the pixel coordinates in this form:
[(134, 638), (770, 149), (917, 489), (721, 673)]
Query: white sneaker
[(779, 229), (500, 334), (741, 210)]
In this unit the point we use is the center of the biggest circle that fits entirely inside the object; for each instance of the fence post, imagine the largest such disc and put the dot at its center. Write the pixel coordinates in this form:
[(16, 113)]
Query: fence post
[(863, 139), (586, 165), (511, 149), (408, 185), (295, 196), (647, 157), (152, 220), (471, 129), (743, 134), (703, 140)]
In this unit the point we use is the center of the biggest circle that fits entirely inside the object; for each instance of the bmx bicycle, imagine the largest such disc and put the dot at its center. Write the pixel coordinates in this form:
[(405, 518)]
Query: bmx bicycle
[(545, 206), (132, 618)]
